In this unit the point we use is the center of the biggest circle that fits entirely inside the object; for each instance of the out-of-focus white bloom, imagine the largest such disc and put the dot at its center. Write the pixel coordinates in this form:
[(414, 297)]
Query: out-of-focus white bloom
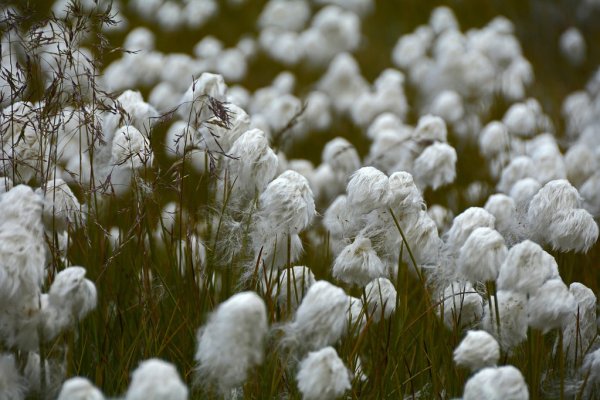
[(572, 46), (301, 278), (343, 82), (464, 224), (519, 168), (494, 139), (341, 155), (448, 105), (526, 268), (441, 19), (430, 128), (232, 341), (550, 306), (381, 298), (317, 114), (195, 102), (497, 383), (436, 166), (323, 375), (219, 138), (520, 120), (155, 379), (581, 163), (481, 255), (590, 369), (356, 315), (477, 350), (170, 16), (321, 318), (130, 148), (61, 207), (441, 216), (138, 114), (358, 263), (512, 308), (287, 15), (460, 305), (572, 230), (79, 388), (504, 209), (522, 192), (368, 189), (412, 47), (231, 63), (12, 385), (198, 13), (580, 328), (164, 97), (338, 218), (590, 191)]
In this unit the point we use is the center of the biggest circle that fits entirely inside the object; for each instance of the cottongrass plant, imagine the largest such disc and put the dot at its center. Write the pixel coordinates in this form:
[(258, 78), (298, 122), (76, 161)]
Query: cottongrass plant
[(323, 375)]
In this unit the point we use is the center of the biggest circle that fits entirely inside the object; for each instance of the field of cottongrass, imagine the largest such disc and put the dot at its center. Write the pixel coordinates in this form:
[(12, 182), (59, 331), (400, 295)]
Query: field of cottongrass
[(303, 199)]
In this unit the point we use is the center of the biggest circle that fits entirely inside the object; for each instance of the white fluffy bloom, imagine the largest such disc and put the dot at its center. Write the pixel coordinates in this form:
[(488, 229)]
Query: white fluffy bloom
[(358, 263), (572, 46), (431, 128), (130, 148), (448, 105), (481, 255), (155, 379), (477, 350), (572, 230), (591, 370), (288, 15), (580, 329), (411, 48), (442, 217), (441, 19), (300, 278), (581, 162), (138, 114), (497, 383), (464, 224), (381, 298), (526, 268), (512, 309), (436, 166), (494, 139), (550, 306), (520, 120), (323, 375), (195, 102), (232, 341), (219, 138), (368, 189), (519, 168), (343, 82), (504, 209), (460, 305), (79, 388), (341, 155), (590, 191), (61, 207), (522, 192), (12, 385), (321, 318)]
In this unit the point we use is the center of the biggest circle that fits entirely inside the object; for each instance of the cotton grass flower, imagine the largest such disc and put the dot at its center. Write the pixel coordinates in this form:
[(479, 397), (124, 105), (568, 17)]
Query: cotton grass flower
[(155, 379), (430, 128), (368, 189), (61, 207), (573, 229), (12, 385), (497, 383), (79, 388), (504, 209), (494, 140), (435, 166), (323, 376), (477, 350), (464, 224), (580, 329), (512, 309), (481, 256), (550, 306), (460, 305), (591, 371), (522, 192), (358, 263), (300, 280), (572, 46), (232, 341), (321, 318), (341, 155), (381, 298), (194, 103)]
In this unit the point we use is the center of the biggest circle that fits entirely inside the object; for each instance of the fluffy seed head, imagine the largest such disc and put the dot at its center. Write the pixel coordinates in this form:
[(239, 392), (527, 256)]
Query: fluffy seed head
[(477, 350), (497, 383), (464, 224), (358, 263), (430, 128), (550, 306), (460, 305), (381, 298), (301, 278), (341, 156), (573, 229), (368, 189), (512, 308), (323, 375), (436, 166), (481, 255), (155, 379), (526, 268), (580, 329), (79, 388)]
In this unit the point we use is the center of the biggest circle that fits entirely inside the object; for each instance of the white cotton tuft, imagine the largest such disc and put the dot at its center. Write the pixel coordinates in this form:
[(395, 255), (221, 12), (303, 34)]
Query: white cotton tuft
[(481, 256), (290, 15), (368, 189), (130, 148), (572, 46), (321, 318), (343, 82), (580, 329), (323, 376), (356, 314), (358, 263), (494, 140), (550, 306), (195, 102), (590, 191), (61, 207), (338, 219), (12, 384), (155, 379), (448, 105), (591, 370), (520, 120), (341, 155), (220, 138), (301, 279), (512, 308), (526, 268), (580, 162), (504, 209), (442, 217), (79, 388), (232, 341), (522, 192), (519, 168), (477, 350), (435, 166), (430, 128), (381, 298), (572, 230), (497, 383), (464, 224), (460, 305)]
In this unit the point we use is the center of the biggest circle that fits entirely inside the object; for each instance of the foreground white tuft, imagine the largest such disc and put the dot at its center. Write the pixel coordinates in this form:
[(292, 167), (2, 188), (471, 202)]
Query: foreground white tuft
[(79, 388), (477, 350), (155, 379), (502, 383), (323, 375)]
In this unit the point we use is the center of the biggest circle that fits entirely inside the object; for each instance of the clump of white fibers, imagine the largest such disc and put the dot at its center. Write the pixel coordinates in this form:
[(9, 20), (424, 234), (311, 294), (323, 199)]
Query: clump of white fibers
[(526, 268), (573, 229), (591, 371), (323, 375), (321, 318), (79, 388), (435, 166), (512, 308), (194, 103), (11, 383), (430, 128), (300, 278), (460, 305), (477, 350), (381, 298), (155, 379), (358, 263), (501, 383), (550, 306), (504, 209), (481, 256), (61, 207), (580, 329), (464, 224), (232, 341), (368, 189)]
